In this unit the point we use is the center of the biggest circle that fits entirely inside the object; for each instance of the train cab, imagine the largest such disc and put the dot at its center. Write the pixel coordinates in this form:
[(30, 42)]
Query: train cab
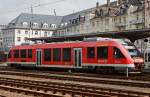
[(135, 54)]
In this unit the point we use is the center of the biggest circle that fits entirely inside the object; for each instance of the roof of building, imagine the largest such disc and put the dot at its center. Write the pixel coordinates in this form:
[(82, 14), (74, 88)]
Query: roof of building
[(72, 19), (135, 2), (34, 18), (69, 18)]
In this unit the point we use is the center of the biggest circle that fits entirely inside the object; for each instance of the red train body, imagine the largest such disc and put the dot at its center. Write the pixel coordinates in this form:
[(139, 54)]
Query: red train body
[(92, 54)]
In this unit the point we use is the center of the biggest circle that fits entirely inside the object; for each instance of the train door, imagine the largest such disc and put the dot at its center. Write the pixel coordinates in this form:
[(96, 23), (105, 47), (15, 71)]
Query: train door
[(38, 57), (78, 57)]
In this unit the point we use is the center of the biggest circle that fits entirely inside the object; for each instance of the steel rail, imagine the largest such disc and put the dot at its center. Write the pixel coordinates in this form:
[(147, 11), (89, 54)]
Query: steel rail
[(73, 89)]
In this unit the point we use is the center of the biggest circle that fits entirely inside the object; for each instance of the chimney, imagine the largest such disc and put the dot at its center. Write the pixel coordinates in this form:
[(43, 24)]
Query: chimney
[(108, 3), (97, 4)]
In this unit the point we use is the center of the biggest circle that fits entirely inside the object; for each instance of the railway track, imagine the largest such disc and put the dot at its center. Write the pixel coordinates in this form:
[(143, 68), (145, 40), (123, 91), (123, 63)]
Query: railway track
[(55, 89), (136, 76), (133, 83)]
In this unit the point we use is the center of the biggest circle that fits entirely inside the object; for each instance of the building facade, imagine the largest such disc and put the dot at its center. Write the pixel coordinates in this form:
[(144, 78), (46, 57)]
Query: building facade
[(29, 26), (119, 15), (1, 35)]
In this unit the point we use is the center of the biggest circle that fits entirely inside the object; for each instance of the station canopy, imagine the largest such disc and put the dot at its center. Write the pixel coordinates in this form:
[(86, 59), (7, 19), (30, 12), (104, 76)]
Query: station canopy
[(132, 35)]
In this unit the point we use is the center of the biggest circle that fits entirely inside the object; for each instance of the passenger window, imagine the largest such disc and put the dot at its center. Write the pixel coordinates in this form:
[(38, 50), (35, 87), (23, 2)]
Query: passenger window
[(102, 52), (47, 54), (57, 54), (118, 53), (30, 53), (66, 54), (16, 53), (90, 52), (23, 53)]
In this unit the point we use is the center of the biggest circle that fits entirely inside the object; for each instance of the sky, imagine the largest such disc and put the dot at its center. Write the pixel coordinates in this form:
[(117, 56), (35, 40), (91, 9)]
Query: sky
[(10, 9)]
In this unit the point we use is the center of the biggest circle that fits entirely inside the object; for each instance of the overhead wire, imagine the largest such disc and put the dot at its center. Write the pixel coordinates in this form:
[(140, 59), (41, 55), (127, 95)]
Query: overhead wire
[(33, 6)]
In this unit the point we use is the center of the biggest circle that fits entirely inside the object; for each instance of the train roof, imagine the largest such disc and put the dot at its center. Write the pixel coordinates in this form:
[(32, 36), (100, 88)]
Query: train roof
[(90, 42)]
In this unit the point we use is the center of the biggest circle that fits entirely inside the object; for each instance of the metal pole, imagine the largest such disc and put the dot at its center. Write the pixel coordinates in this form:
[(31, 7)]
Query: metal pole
[(127, 72)]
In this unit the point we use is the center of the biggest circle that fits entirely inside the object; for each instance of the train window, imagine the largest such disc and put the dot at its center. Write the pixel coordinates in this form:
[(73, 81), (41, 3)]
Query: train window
[(66, 54), (9, 55), (30, 53), (90, 52), (47, 54), (118, 53), (102, 52), (23, 53), (56, 54), (16, 53)]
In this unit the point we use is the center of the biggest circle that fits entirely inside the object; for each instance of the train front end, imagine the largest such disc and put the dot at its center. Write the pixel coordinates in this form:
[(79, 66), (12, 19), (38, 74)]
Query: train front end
[(135, 55)]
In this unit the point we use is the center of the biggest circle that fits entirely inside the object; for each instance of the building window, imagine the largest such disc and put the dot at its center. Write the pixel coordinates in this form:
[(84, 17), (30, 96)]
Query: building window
[(137, 17), (26, 32), (18, 38), (25, 24), (45, 34), (102, 52), (47, 54), (23, 53), (119, 20), (35, 25), (26, 39), (36, 32), (53, 26), (66, 54), (19, 32), (45, 25), (90, 52), (56, 54)]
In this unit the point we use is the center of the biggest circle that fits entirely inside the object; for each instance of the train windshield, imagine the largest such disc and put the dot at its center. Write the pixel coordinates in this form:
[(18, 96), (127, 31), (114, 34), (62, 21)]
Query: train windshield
[(133, 51)]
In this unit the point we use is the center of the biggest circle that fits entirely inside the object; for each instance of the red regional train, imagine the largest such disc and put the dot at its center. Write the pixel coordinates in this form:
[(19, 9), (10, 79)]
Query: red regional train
[(103, 54)]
